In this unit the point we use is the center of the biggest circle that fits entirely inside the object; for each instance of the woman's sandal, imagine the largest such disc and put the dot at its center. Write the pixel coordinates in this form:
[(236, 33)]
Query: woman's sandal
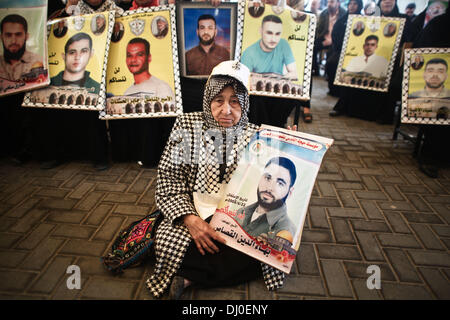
[(307, 117)]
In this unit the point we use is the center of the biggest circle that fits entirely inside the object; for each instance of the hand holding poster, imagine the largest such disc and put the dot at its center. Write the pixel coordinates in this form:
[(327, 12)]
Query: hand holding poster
[(267, 198), (142, 77), (276, 46), (23, 54), (77, 52), (426, 86), (368, 53)]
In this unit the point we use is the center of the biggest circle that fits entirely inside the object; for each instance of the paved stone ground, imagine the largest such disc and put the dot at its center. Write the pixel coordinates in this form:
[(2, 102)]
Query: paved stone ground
[(370, 206)]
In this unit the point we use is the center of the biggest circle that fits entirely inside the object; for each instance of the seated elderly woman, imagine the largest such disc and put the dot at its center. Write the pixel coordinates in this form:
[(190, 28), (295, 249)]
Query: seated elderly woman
[(200, 156)]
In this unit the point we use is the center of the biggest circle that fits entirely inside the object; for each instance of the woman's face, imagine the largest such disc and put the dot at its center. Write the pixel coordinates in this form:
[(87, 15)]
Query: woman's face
[(225, 107), (353, 7), (387, 6)]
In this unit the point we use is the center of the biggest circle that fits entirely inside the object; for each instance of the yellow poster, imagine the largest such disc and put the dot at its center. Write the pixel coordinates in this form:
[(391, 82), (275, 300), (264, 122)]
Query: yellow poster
[(426, 86), (77, 51), (369, 52)]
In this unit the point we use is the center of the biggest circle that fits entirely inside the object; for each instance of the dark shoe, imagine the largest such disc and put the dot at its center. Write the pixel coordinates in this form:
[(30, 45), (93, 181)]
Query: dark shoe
[(51, 164), (307, 117), (21, 159), (334, 113), (101, 166), (176, 288)]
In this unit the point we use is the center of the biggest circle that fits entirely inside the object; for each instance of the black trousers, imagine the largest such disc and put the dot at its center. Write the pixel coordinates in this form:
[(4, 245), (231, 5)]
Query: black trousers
[(228, 267)]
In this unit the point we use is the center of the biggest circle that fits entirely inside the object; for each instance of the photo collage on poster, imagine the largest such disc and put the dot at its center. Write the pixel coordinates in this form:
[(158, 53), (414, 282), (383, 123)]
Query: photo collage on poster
[(77, 54), (143, 76), (23, 57), (276, 46), (369, 51), (426, 86)]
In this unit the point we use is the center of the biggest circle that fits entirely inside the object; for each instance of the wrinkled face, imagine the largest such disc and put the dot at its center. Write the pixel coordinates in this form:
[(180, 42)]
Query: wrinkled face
[(270, 35), (274, 186), (352, 7), (369, 47), (77, 56), (137, 59), (387, 6), (13, 36), (435, 75), (206, 31), (225, 107)]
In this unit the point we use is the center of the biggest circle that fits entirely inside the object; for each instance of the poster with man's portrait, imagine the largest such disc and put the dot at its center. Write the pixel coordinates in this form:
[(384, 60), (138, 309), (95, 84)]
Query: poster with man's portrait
[(426, 86), (77, 54), (142, 79), (368, 52), (23, 53), (276, 46), (207, 36), (264, 205)]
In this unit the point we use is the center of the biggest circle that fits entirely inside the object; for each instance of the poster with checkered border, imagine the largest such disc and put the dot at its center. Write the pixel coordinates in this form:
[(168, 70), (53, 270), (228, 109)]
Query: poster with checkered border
[(417, 106)]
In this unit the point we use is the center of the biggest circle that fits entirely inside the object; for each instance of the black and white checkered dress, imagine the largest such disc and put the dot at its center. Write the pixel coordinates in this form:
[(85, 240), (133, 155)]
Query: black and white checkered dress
[(190, 164)]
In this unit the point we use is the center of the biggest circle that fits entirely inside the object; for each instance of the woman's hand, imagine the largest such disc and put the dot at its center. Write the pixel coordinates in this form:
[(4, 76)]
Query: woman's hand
[(202, 233)]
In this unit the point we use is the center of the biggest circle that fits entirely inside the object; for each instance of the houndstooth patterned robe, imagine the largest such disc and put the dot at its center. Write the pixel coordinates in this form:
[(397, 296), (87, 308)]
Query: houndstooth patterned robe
[(178, 180)]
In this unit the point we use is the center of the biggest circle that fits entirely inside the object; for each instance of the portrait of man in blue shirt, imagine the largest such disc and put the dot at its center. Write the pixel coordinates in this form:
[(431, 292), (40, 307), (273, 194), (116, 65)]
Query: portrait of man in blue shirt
[(271, 53)]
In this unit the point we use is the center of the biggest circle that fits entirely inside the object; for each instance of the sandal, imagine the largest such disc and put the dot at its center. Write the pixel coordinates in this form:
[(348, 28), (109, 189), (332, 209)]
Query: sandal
[(307, 117)]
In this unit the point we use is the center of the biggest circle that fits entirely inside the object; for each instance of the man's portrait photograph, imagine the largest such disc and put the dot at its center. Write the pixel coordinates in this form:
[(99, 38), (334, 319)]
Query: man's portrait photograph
[(23, 61), (433, 83), (359, 28), (60, 29), (417, 61), (256, 8), (426, 86), (207, 37), (274, 48), (76, 62), (140, 74), (160, 27), (118, 31), (367, 53), (389, 30)]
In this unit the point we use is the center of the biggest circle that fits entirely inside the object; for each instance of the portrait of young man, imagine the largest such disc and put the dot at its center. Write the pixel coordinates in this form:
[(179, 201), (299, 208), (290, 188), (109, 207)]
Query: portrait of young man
[(138, 59), (369, 62), (268, 216), (434, 75), (201, 59), (77, 53), (16, 59), (271, 53)]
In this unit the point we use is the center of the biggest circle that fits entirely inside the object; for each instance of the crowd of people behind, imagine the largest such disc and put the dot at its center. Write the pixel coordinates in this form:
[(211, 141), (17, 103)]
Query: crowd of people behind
[(54, 136)]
